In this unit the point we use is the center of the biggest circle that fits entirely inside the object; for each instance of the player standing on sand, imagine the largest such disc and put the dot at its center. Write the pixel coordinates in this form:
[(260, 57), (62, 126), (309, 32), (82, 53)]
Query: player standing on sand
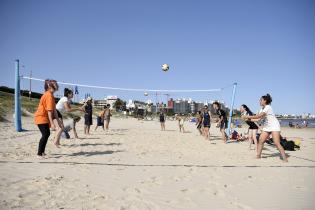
[(270, 126)]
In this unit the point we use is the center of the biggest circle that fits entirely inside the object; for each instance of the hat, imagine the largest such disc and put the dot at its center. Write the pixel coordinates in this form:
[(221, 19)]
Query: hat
[(89, 99)]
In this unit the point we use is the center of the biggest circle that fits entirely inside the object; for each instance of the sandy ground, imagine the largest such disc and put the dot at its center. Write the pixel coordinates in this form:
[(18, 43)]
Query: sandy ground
[(136, 166)]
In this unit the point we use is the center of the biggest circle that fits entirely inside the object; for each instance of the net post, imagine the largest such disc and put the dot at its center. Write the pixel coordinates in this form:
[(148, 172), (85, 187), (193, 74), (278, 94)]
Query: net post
[(231, 109), (17, 102)]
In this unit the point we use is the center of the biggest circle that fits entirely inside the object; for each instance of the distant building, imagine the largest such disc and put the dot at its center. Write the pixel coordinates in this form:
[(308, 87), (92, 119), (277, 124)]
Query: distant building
[(108, 100), (182, 106)]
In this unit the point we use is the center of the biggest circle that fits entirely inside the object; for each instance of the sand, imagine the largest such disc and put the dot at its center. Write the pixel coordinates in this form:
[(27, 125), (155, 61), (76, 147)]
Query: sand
[(136, 166)]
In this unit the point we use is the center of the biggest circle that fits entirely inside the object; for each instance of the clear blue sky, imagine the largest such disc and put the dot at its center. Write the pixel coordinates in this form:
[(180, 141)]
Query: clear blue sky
[(266, 46)]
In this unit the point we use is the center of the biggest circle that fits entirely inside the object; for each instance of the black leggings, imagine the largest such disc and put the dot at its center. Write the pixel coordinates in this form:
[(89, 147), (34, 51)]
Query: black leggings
[(44, 129)]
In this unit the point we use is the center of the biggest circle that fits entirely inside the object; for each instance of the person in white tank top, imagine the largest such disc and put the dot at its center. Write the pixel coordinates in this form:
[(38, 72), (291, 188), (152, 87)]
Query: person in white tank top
[(271, 126)]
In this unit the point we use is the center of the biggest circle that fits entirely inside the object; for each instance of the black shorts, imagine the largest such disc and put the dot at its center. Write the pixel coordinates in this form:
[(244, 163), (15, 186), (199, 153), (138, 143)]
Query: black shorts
[(59, 115), (223, 125), (88, 120), (100, 122), (206, 125), (252, 125)]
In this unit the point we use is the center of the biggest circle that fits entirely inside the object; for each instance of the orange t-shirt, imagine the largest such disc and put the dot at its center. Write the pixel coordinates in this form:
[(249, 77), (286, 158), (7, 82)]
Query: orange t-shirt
[(46, 103)]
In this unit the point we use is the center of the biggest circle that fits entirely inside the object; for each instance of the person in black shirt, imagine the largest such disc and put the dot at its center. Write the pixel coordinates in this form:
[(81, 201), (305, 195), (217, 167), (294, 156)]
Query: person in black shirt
[(253, 127), (206, 122), (223, 122), (88, 121), (162, 120)]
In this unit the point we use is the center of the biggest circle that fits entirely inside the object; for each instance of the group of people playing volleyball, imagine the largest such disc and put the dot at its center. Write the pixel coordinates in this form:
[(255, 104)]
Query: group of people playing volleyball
[(49, 116)]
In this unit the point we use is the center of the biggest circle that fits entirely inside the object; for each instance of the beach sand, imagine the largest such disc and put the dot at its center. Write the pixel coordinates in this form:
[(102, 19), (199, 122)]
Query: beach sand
[(136, 166)]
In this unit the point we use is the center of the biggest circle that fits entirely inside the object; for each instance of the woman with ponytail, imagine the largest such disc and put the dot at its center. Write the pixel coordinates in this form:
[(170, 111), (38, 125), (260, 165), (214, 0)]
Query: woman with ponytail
[(271, 126), (45, 114), (63, 105), (253, 128)]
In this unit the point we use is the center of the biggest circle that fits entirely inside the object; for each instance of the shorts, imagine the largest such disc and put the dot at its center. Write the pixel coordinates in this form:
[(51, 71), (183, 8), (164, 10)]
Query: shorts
[(59, 115), (253, 127), (88, 120), (206, 125), (223, 125), (162, 120), (100, 122)]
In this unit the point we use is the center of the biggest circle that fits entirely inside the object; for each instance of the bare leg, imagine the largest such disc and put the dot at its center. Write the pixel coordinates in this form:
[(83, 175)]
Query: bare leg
[(107, 125), (88, 129), (85, 129), (250, 138), (223, 135), (263, 137), (206, 133), (58, 133), (95, 128), (254, 136), (276, 141)]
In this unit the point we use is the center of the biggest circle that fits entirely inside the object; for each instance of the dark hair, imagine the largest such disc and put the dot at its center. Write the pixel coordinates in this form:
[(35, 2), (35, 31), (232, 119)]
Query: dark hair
[(105, 107), (267, 98), (67, 92), (199, 112), (50, 83), (77, 118), (216, 103), (247, 109)]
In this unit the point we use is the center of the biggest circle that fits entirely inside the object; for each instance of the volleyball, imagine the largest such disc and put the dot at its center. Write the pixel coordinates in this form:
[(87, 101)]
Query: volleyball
[(165, 67), (146, 94)]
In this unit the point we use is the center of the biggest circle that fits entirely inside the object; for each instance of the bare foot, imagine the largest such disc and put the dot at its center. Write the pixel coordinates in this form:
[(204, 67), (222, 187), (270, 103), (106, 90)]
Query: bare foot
[(57, 145)]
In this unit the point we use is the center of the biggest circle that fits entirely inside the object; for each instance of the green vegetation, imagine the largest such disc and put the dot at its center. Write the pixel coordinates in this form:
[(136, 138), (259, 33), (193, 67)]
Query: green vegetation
[(28, 106)]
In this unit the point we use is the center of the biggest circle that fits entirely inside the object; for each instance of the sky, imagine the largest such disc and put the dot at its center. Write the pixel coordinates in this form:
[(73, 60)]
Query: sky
[(265, 46)]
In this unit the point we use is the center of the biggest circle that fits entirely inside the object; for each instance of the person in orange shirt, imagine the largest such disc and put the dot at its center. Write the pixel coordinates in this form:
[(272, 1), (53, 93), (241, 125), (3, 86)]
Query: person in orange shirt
[(45, 113)]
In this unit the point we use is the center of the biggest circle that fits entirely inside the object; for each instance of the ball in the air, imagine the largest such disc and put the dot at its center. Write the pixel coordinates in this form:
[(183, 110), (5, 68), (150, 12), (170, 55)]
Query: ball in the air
[(165, 67), (146, 94)]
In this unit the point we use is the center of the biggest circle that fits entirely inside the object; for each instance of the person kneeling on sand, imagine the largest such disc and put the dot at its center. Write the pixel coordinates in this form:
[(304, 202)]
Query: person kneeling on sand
[(70, 125)]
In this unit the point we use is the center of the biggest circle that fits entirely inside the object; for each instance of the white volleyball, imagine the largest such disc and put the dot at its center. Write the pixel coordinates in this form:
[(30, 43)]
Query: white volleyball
[(165, 67)]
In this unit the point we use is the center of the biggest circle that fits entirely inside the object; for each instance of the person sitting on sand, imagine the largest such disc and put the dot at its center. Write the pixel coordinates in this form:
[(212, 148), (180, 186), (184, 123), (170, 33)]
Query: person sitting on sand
[(70, 125), (45, 113), (100, 119), (271, 126)]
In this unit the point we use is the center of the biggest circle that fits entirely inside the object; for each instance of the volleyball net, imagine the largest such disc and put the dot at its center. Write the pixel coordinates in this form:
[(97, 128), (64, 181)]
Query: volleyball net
[(158, 97)]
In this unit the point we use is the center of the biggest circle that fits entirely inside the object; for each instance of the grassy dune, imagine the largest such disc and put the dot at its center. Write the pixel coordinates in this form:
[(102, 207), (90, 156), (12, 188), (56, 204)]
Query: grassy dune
[(28, 106)]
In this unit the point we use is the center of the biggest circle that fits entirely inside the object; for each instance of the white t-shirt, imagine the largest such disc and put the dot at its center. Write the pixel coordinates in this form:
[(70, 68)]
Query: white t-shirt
[(271, 123), (60, 106)]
